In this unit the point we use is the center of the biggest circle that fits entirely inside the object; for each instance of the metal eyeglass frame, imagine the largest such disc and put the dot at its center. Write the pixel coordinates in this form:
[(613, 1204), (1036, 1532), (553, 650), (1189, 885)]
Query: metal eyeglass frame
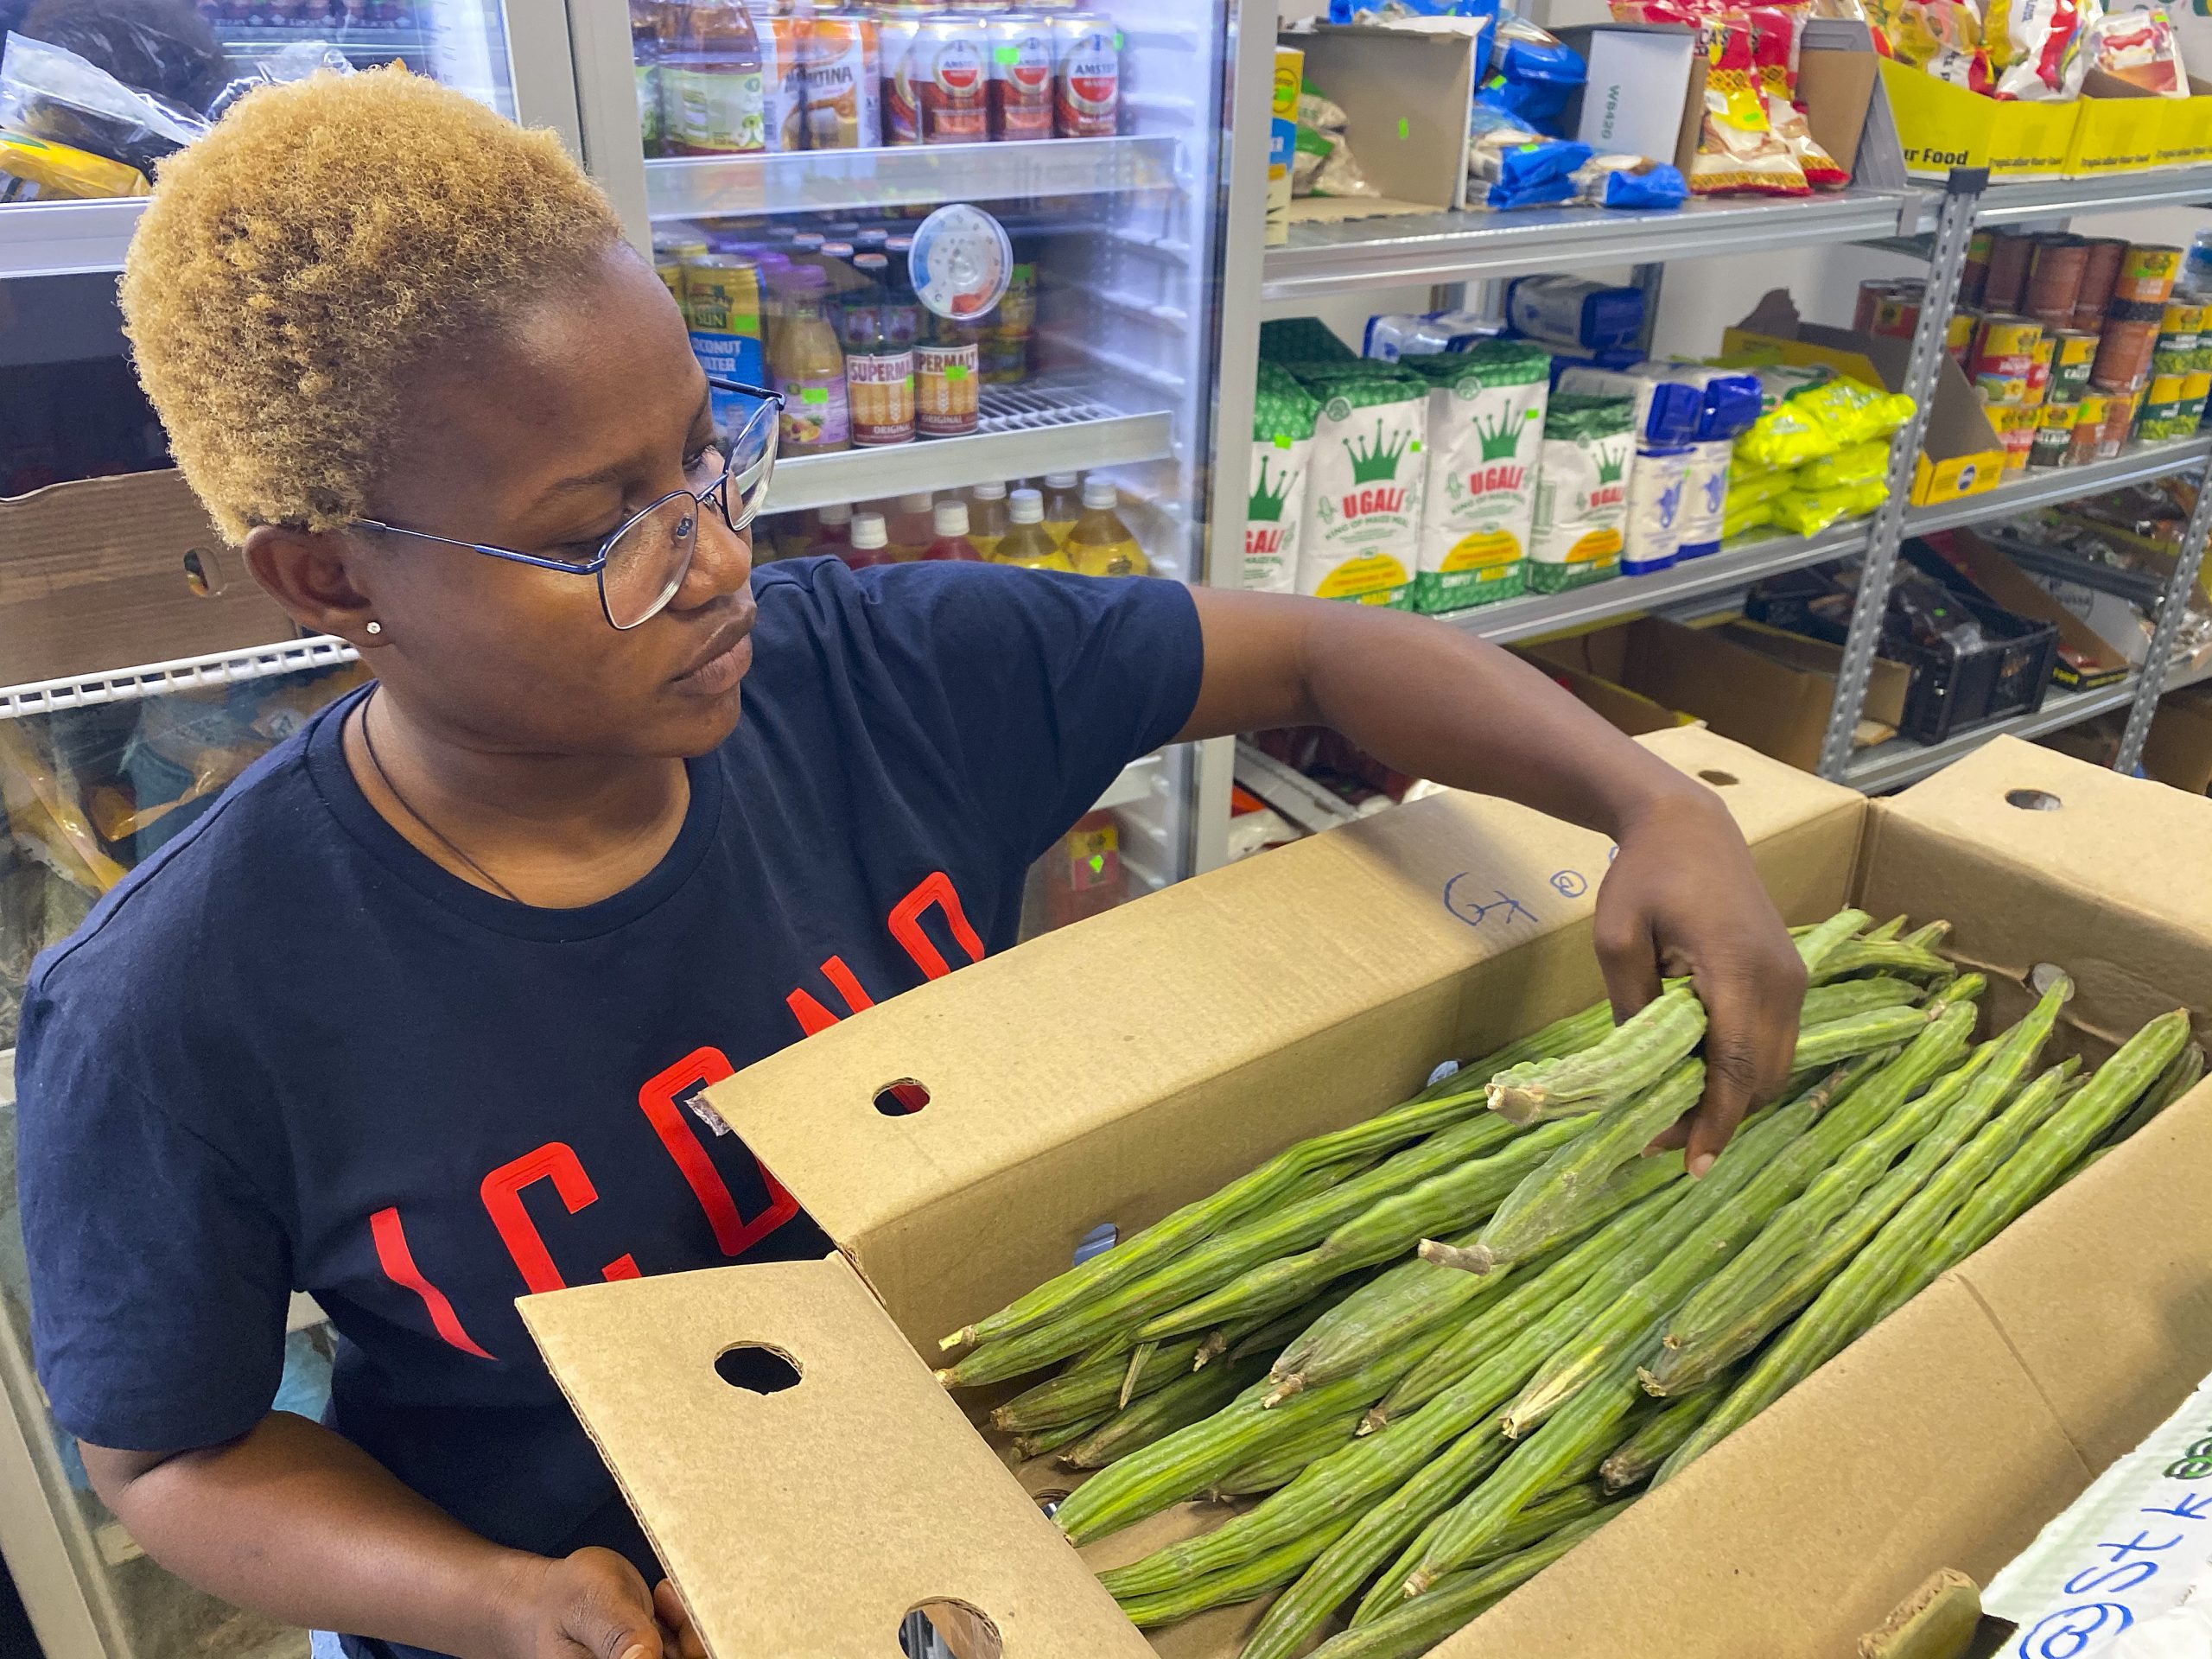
[(771, 409)]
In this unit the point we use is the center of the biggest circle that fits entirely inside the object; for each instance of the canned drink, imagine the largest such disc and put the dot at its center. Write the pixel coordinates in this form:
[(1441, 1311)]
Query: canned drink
[(1005, 345), (1086, 76), (844, 81), (949, 63), (895, 31), (670, 254), (1021, 64), (1973, 280), (2098, 275), (946, 400), (721, 303), (2147, 273)]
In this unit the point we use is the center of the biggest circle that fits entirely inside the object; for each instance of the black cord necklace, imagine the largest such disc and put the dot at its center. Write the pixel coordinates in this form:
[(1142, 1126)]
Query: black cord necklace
[(369, 742)]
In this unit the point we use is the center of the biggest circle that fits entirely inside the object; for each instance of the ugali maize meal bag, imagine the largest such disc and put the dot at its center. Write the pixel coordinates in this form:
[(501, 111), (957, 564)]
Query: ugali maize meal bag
[(1360, 536), (1485, 426), (1282, 455)]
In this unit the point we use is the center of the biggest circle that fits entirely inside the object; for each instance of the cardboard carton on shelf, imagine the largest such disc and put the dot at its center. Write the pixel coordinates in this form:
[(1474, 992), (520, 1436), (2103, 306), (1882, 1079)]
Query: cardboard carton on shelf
[(1961, 454), (107, 573), (1600, 668), (1405, 94), (1940, 126), (807, 1504)]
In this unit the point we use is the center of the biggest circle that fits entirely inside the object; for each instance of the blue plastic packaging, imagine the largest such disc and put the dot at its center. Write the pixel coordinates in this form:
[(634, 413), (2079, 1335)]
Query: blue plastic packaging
[(1574, 312)]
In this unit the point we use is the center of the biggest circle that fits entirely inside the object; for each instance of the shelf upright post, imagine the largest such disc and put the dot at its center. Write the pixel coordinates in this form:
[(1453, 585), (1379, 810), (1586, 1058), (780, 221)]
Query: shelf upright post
[(2173, 604), (1954, 228)]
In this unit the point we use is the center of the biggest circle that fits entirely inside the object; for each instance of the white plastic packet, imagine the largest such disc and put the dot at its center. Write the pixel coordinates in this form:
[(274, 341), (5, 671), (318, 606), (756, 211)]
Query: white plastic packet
[(1653, 529)]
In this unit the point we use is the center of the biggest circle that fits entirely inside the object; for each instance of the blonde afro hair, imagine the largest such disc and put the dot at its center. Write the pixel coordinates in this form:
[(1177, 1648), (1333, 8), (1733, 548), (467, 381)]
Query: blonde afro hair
[(297, 264)]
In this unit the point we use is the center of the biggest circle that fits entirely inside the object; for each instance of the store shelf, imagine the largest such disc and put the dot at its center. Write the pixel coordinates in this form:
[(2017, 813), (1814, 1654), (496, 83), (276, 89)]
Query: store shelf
[(1363, 254), (825, 181), (1584, 608), (2012, 203), (62, 239), (1025, 430), (2047, 486), (153, 679), (1900, 761)]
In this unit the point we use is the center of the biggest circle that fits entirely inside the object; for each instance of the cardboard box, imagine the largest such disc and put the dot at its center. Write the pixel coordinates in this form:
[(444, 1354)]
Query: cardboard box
[(1405, 94), (1940, 126), (1302, 990), (1645, 93), (2188, 138), (1596, 668), (2121, 128), (2086, 660), (1961, 454), (100, 574), (2179, 749)]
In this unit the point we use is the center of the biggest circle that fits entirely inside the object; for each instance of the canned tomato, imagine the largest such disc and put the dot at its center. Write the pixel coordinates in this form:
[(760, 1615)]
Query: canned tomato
[(2146, 273), (2017, 441), (844, 82), (895, 31), (2124, 353), (2009, 254), (2098, 275), (1872, 293), (1021, 64), (2055, 273), (949, 63), (2039, 369), (1087, 76), (1896, 312), (1973, 280)]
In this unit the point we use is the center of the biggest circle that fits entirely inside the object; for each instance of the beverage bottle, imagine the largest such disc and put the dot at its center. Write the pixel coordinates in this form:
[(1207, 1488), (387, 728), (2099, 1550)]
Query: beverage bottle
[(1099, 545), (953, 543), (644, 54), (870, 545), (714, 93), (987, 517), (832, 531), (1063, 504), (1027, 543), (913, 525), (879, 372), (809, 369)]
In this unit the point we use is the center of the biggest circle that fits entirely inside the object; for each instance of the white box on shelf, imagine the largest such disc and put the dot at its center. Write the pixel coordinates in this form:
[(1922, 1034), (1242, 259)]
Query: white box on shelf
[(1638, 86)]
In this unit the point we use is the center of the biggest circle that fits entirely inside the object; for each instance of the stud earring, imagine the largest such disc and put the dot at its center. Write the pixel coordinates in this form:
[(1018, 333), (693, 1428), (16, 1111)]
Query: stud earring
[(372, 627)]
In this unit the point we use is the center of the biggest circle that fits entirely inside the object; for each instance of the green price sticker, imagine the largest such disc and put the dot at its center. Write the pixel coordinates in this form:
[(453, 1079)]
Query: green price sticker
[(814, 395), (1281, 442), (1006, 54), (1403, 124), (955, 371)]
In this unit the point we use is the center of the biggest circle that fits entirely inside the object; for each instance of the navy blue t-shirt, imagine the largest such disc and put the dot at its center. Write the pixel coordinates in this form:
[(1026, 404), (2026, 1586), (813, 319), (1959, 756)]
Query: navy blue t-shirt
[(291, 1051)]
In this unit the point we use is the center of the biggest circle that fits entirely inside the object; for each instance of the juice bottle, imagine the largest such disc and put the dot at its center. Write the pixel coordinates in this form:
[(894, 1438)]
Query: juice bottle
[(1063, 504), (879, 371), (870, 545), (644, 54), (809, 369), (713, 89), (1099, 545), (832, 531), (1027, 543), (952, 541), (987, 519), (913, 525)]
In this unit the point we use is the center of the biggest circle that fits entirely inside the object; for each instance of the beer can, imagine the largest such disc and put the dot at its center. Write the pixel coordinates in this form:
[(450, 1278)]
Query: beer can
[(670, 254), (949, 63), (1021, 66), (895, 31), (2147, 273), (2098, 275), (1973, 280), (845, 79), (1087, 76)]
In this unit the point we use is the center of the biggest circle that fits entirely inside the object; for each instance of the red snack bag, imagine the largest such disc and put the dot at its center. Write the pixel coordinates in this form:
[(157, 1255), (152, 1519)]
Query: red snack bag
[(1738, 153), (1775, 34)]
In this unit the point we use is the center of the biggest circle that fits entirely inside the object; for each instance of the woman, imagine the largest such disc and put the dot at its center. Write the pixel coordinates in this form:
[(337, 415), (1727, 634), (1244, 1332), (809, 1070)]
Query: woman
[(409, 1019)]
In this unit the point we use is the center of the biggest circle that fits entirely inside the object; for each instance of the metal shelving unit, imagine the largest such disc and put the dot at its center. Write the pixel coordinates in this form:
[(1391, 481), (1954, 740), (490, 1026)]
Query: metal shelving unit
[(831, 180), (1356, 255), (65, 239), (2043, 199), (2025, 490)]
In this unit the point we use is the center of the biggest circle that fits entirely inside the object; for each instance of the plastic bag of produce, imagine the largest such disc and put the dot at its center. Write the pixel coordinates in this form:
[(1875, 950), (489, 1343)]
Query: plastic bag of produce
[(1854, 411), (1360, 536), (1749, 484), (1582, 483), (1752, 515), (1853, 465), (2138, 47), (1485, 427), (1282, 451), (2036, 48), (1738, 153)]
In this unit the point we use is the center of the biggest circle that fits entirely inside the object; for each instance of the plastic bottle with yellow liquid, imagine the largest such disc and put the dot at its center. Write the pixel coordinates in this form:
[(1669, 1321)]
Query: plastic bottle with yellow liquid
[(987, 517), (1063, 504), (1027, 543), (912, 524), (1099, 545)]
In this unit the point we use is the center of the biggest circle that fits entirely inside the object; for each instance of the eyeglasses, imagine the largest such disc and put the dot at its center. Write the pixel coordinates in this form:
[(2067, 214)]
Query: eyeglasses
[(642, 564)]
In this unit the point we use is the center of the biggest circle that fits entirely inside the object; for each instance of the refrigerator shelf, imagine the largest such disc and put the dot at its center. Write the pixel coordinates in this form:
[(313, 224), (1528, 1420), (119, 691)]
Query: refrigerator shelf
[(154, 679)]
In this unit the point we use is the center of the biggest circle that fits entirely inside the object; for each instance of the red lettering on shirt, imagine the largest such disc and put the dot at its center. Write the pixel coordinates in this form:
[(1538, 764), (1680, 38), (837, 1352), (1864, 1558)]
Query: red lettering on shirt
[(936, 888), (557, 1162), (399, 1264), (660, 1101), (812, 1016)]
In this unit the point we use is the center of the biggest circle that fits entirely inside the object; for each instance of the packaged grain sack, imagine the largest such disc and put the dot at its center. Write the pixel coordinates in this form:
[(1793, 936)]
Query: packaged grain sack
[(1485, 425), (1361, 536), (1582, 481), (1283, 450), (1652, 531)]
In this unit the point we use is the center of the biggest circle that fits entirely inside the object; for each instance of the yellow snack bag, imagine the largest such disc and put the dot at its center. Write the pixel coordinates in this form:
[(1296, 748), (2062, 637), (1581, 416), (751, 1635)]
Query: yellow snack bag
[(1749, 485), (61, 171), (1788, 434), (1850, 466), (1751, 516), (1854, 411)]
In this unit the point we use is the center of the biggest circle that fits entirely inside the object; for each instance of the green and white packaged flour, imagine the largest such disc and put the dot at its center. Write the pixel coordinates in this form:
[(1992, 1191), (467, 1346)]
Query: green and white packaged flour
[(1361, 535), (1283, 452), (1486, 430), (1582, 490)]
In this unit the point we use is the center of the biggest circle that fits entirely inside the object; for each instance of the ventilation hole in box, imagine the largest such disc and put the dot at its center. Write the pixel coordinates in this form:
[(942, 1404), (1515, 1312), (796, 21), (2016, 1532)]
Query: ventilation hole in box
[(2033, 800), (1718, 779), (201, 575), (2045, 975), (1050, 1503), (902, 1098), (1105, 1236), (757, 1369), (947, 1629)]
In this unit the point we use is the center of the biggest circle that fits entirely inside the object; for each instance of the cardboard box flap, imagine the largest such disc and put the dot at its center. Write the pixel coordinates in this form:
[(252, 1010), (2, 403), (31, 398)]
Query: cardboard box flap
[(1024, 1147), (828, 1510), (2012, 811)]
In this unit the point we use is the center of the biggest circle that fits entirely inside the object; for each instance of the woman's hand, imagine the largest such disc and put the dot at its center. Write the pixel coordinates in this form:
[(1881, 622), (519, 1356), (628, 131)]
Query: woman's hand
[(1682, 898), (594, 1604)]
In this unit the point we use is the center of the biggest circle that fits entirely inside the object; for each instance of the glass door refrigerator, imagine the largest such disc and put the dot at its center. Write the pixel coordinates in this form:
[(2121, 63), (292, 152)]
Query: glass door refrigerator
[(140, 671), (980, 250)]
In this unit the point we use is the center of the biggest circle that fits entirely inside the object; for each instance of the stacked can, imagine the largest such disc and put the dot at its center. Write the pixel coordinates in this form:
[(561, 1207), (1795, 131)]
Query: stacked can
[(2174, 401), (1888, 308), (2009, 367), (2128, 343)]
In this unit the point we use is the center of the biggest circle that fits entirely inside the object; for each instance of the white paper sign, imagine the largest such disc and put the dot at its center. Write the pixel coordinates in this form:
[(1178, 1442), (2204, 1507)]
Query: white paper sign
[(2130, 1549)]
